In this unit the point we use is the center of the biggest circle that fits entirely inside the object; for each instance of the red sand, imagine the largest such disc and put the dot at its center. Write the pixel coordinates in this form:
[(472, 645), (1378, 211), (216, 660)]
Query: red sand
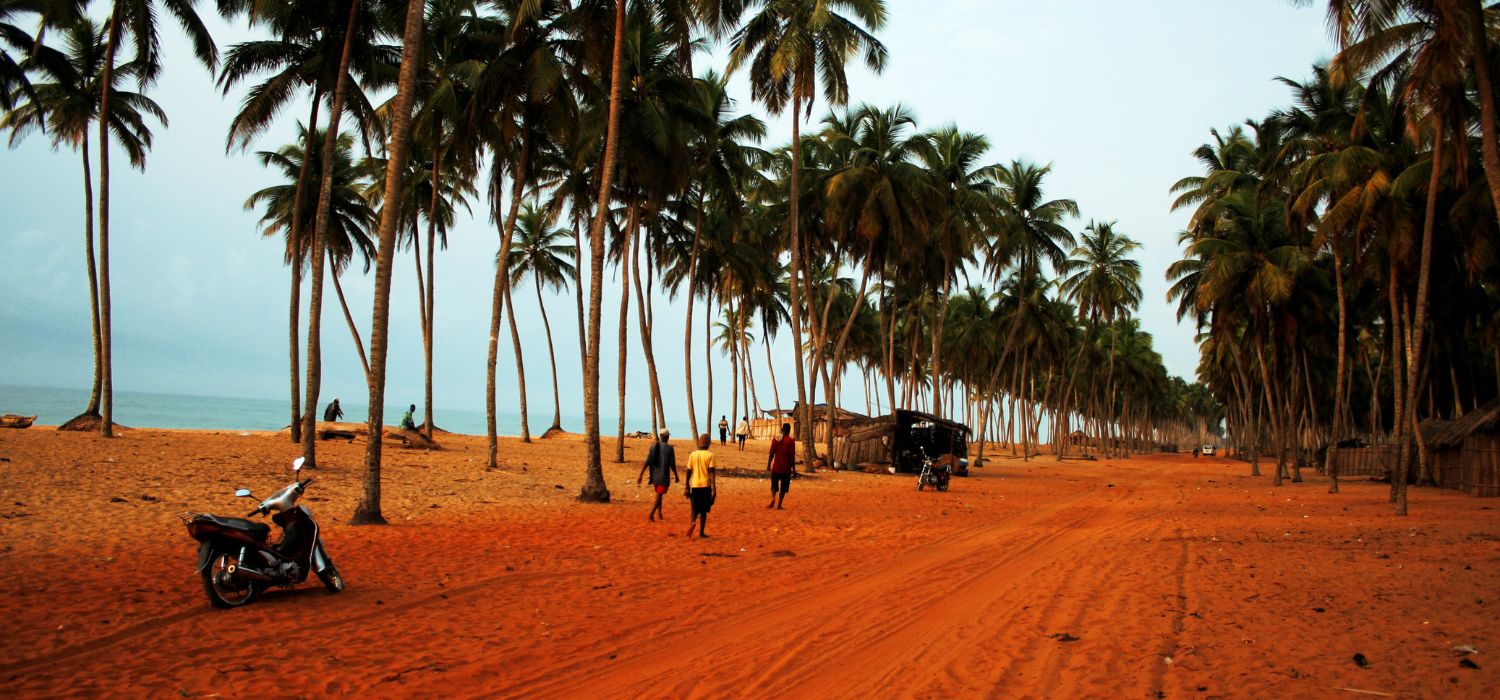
[(1157, 576)]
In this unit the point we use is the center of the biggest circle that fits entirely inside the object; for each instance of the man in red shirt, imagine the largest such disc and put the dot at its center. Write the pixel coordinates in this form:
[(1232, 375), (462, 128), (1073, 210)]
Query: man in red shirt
[(782, 463)]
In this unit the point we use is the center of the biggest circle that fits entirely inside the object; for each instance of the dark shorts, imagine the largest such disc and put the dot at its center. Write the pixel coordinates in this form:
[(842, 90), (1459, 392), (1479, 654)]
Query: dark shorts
[(781, 483), (741, 438), (703, 500)]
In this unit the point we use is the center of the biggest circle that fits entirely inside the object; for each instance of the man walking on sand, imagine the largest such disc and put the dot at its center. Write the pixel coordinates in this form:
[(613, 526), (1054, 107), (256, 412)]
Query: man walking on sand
[(662, 463), (703, 484), (723, 430), (782, 463), (742, 432)]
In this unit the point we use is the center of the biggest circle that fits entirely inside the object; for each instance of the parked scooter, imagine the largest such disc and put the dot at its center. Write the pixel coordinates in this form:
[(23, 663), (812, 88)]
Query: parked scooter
[(236, 559), (933, 474)]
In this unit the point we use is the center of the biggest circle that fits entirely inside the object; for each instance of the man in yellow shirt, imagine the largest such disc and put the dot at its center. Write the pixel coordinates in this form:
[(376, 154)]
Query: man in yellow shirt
[(702, 484)]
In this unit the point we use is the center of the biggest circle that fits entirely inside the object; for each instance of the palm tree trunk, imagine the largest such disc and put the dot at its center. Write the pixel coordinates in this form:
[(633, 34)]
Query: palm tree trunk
[(1331, 464), (106, 383), (367, 510), (501, 294), (594, 489), (838, 348), (297, 235), (940, 316), (804, 428), (88, 252), (734, 371), (515, 340), (359, 345), (583, 334), (708, 359), (320, 234), (624, 327), (771, 369), (1419, 323), (890, 356), (658, 417), (430, 314), (551, 357), (1479, 57), (687, 334)]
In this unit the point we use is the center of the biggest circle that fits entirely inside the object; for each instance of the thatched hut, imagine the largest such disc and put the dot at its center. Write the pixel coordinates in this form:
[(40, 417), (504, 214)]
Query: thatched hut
[(1464, 453), (900, 440)]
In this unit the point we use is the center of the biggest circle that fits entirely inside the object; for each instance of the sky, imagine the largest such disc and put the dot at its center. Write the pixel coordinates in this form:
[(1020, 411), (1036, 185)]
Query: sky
[(1114, 95)]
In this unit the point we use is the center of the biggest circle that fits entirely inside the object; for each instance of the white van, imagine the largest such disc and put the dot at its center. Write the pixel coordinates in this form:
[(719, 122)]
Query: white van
[(1208, 450)]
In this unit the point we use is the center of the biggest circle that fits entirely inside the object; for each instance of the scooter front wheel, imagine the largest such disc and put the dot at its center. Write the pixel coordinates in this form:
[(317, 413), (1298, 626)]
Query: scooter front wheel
[(331, 578), (223, 588)]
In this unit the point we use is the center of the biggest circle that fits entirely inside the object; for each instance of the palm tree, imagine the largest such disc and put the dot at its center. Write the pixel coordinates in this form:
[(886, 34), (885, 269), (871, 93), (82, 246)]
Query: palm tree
[(14, 81), (1103, 281), (133, 21), (306, 50), (367, 510), (727, 167), (351, 222), (790, 46), (547, 256), (67, 107), (952, 157), (594, 489)]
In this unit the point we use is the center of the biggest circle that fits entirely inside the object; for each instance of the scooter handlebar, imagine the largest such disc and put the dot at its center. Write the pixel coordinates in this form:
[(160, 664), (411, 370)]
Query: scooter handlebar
[(254, 513)]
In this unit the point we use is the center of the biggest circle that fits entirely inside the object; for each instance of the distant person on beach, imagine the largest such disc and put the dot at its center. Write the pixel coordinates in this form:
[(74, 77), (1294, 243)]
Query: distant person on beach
[(742, 432), (407, 421), (703, 484), (661, 461), (723, 430), (333, 412), (782, 463)]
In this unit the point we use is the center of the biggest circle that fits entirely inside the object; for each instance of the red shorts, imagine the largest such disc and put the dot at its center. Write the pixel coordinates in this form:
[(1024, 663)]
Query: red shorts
[(660, 489)]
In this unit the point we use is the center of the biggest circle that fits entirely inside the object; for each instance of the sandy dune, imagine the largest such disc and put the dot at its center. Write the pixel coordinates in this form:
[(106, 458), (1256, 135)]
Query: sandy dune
[(1151, 577)]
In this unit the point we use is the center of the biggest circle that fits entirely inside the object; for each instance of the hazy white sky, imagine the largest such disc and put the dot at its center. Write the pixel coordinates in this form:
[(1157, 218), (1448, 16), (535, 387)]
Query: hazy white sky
[(1114, 94)]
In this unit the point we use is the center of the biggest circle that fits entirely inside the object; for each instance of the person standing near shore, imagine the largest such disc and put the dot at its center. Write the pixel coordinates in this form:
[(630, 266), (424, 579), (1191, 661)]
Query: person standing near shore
[(782, 463), (333, 412), (723, 430), (742, 432), (703, 484), (661, 461)]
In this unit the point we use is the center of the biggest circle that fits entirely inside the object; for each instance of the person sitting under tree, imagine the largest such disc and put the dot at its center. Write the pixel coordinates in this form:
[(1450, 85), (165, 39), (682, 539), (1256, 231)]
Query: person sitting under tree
[(408, 422), (661, 462)]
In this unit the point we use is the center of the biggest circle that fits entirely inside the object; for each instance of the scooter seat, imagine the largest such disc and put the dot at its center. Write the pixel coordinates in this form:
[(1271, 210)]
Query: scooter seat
[(255, 530)]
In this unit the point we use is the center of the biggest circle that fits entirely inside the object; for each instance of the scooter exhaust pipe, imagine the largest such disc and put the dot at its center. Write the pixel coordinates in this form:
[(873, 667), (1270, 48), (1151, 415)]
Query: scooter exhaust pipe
[(248, 573)]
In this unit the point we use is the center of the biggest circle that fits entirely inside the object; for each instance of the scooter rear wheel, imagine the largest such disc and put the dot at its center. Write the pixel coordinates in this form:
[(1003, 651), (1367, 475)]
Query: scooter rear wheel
[(224, 589)]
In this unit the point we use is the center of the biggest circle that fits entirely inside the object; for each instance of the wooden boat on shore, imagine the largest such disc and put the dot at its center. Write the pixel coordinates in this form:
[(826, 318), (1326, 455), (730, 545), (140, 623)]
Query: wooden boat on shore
[(11, 420)]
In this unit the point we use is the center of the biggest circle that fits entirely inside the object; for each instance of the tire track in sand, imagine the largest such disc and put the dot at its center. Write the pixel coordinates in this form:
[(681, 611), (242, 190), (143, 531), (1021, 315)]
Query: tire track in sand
[(862, 622)]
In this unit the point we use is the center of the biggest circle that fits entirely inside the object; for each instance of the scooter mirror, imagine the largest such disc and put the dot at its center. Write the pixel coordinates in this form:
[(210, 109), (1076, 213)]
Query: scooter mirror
[(242, 493), (297, 464)]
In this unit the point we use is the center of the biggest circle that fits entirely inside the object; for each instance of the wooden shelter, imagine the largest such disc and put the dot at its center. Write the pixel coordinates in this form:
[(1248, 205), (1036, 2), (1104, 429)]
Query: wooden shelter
[(1464, 453), (900, 440), (770, 426)]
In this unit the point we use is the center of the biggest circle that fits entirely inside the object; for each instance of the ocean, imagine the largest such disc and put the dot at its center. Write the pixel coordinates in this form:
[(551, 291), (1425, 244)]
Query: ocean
[(53, 406)]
